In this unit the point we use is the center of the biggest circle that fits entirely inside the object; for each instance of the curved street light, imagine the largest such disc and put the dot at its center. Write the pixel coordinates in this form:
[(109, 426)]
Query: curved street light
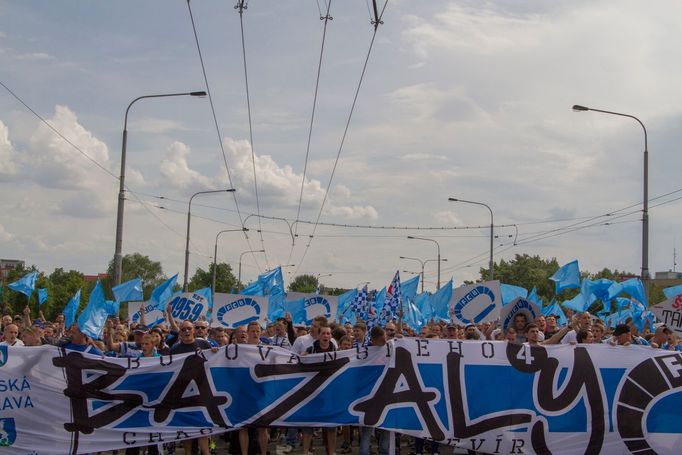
[(490, 263), (239, 278), (215, 258), (439, 260), (118, 258)]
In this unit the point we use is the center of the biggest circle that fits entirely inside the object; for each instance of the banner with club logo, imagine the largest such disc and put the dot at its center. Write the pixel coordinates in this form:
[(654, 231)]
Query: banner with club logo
[(489, 397), (518, 306), (233, 310), (670, 312), (476, 303), (187, 306), (304, 307)]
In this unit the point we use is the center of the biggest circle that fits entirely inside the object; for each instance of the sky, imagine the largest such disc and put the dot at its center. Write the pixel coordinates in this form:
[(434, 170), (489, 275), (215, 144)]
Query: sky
[(463, 99)]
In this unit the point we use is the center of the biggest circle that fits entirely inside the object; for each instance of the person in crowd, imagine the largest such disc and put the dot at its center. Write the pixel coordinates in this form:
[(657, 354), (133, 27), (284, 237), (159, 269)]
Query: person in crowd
[(359, 334), (31, 337), (10, 336), (281, 338), (377, 338), (219, 335), (520, 322), (510, 335), (533, 335), (78, 341), (550, 325), (598, 331), (126, 348), (636, 338), (238, 335), (621, 336), (451, 332), (585, 336), (541, 322), (253, 337), (159, 342), (471, 332), (301, 344), (584, 323)]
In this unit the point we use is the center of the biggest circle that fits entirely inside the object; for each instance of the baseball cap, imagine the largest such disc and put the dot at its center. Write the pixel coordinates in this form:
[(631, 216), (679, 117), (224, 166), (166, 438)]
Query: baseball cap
[(141, 328), (39, 323)]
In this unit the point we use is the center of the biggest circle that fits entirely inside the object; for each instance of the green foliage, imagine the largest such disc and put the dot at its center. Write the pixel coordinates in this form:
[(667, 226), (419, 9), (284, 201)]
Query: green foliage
[(137, 265), (225, 280), (526, 271), (304, 283)]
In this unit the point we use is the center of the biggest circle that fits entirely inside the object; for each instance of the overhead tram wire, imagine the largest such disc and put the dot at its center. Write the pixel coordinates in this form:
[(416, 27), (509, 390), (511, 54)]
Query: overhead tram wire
[(217, 128), (326, 19), (241, 6), (91, 159), (376, 24)]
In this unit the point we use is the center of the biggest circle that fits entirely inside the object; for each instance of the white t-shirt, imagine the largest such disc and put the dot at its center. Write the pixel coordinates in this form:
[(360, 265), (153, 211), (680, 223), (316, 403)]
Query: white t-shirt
[(17, 342), (301, 344), (570, 338)]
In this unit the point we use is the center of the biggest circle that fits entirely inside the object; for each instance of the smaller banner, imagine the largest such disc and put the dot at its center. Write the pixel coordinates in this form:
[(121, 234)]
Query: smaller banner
[(518, 306), (476, 303), (313, 305), (670, 313), (233, 310), (187, 306)]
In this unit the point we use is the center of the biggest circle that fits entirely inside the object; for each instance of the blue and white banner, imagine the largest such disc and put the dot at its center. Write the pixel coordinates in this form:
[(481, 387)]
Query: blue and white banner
[(490, 397), (188, 306), (518, 306), (476, 303), (233, 310), (314, 305)]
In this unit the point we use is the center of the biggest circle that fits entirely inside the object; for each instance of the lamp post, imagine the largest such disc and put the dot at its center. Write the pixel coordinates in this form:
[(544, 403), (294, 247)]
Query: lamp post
[(438, 246), (422, 263), (645, 200), (239, 278), (118, 258), (490, 263), (215, 258), (189, 219)]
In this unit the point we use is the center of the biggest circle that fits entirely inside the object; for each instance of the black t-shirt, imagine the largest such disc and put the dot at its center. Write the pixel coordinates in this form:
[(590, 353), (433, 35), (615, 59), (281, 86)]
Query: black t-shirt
[(182, 348)]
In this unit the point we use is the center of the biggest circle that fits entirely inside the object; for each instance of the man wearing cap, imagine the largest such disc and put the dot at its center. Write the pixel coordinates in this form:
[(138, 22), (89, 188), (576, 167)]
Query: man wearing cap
[(621, 335), (126, 348)]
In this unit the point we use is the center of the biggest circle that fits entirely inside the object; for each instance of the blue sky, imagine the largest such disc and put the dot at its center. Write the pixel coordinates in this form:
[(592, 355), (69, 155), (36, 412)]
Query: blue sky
[(460, 99)]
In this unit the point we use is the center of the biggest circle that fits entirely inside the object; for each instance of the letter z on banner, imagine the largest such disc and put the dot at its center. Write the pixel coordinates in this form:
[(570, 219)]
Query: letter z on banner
[(476, 303)]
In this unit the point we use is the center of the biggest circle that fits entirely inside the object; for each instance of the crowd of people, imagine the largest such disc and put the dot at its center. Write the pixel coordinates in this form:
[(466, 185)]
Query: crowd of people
[(176, 337)]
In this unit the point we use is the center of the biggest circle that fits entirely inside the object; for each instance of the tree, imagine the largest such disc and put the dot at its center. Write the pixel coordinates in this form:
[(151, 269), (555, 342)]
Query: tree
[(225, 280), (137, 265), (304, 283), (526, 271), (61, 288)]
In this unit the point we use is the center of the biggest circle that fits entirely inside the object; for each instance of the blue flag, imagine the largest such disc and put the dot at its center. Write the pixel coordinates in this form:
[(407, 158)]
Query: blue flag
[(71, 309), (393, 299), (440, 303), (600, 289), (25, 285), (409, 289), (555, 309), (413, 317), (510, 292), (672, 291), (535, 298), (113, 307), (42, 296), (92, 319), (296, 308), (577, 304), (345, 301), (377, 304), (635, 288), (130, 290), (567, 277), (162, 293), (421, 301), (614, 290), (270, 283)]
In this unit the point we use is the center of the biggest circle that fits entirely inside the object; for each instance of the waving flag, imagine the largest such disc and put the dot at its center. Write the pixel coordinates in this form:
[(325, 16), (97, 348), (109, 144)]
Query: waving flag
[(672, 291), (393, 299), (440, 302), (345, 304), (554, 309), (567, 277), (271, 284), (359, 305), (510, 292), (635, 288), (25, 284), (71, 309), (162, 293), (130, 290), (42, 296), (92, 318), (409, 289)]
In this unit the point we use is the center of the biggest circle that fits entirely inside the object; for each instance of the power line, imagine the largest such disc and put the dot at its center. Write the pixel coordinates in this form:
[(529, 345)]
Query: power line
[(215, 121), (345, 132), (241, 7), (326, 19)]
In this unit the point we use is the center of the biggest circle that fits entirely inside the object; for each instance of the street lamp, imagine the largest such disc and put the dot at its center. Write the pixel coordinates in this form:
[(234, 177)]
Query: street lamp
[(118, 258), (189, 218), (437, 245), (422, 263), (239, 278), (215, 258), (490, 264), (645, 201)]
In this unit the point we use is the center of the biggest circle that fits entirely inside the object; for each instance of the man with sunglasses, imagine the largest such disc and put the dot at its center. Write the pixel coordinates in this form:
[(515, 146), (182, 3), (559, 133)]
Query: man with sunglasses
[(201, 331)]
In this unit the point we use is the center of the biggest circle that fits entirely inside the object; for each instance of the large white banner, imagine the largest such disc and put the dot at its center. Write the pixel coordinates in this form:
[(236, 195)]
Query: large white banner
[(490, 397), (476, 303), (518, 306), (670, 312), (187, 306), (233, 310)]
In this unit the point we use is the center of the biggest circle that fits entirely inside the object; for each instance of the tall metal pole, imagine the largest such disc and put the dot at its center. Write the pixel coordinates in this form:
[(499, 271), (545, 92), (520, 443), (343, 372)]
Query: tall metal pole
[(215, 258), (491, 264), (422, 266), (118, 258), (239, 278), (438, 246), (189, 219), (645, 201)]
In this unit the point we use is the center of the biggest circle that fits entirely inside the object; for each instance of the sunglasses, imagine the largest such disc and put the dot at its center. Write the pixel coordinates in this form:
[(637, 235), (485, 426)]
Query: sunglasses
[(200, 326), (186, 329)]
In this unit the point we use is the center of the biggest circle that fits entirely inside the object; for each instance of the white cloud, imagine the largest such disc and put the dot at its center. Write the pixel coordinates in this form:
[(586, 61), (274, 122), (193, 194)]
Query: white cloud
[(7, 155), (447, 217), (4, 235), (176, 170), (33, 56), (156, 125)]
